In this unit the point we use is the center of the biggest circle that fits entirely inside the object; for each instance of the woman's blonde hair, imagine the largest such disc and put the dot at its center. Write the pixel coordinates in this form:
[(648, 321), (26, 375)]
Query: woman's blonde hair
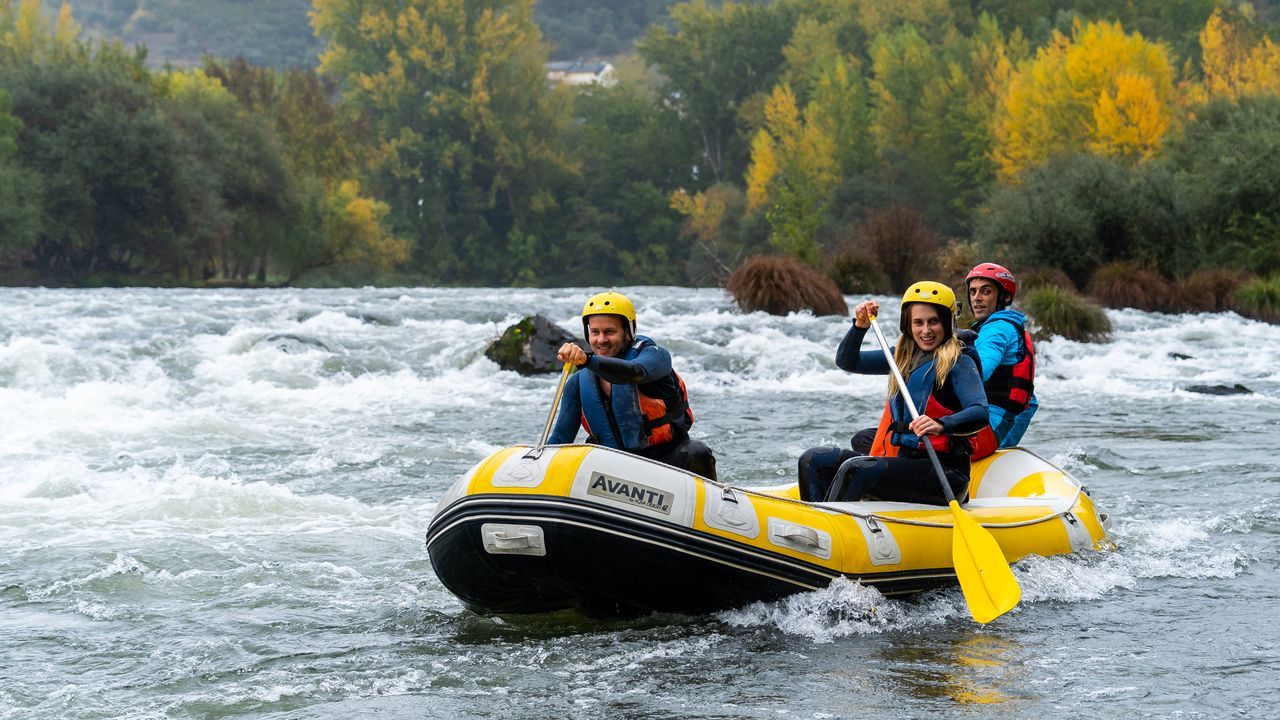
[(908, 356)]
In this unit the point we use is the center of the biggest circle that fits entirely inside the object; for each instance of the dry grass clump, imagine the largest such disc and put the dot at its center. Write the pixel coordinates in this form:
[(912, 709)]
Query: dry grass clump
[(1059, 311), (780, 285), (1128, 284), (1208, 290)]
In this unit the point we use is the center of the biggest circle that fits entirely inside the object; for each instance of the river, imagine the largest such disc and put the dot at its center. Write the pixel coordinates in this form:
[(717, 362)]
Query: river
[(213, 505)]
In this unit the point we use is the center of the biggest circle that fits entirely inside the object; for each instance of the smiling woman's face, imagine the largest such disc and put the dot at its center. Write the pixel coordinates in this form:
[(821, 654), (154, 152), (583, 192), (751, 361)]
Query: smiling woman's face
[(926, 326)]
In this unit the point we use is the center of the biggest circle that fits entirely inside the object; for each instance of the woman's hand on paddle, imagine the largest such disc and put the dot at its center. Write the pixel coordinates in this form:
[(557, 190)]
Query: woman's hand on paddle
[(572, 353), (863, 313), (925, 425)]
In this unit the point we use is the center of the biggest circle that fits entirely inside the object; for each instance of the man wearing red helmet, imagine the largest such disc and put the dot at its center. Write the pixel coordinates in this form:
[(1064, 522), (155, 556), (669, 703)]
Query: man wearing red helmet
[(1008, 357)]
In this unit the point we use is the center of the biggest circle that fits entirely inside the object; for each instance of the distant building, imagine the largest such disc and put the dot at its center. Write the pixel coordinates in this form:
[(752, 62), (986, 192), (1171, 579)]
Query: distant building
[(581, 72)]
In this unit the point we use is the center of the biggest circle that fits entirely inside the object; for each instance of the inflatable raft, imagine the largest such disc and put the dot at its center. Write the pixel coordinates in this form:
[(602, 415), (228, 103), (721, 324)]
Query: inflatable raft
[(608, 533)]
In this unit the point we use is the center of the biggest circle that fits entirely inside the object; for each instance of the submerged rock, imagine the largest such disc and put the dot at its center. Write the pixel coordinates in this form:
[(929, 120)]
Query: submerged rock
[(1179, 356), (529, 347), (292, 344), (1236, 389)]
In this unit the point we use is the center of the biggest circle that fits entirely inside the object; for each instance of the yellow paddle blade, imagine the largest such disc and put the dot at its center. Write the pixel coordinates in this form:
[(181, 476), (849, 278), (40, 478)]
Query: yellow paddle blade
[(985, 577)]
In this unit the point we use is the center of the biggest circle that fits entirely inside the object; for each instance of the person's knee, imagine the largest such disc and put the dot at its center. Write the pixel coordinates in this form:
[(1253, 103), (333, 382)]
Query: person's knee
[(815, 470), (862, 441), (699, 459), (856, 477)]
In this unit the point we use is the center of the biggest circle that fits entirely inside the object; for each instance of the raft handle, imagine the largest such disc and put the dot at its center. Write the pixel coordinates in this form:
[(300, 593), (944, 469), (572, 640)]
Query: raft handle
[(798, 534), (500, 539)]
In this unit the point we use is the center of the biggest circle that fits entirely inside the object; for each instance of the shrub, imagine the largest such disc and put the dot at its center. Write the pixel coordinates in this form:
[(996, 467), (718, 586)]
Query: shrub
[(1042, 275), (1259, 298), (1079, 212), (1208, 290), (1059, 311), (1225, 160), (1128, 284), (956, 259), (902, 242), (856, 272), (779, 285)]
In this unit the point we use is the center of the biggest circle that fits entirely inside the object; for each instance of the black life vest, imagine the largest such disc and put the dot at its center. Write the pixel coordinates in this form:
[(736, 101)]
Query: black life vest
[(1011, 386)]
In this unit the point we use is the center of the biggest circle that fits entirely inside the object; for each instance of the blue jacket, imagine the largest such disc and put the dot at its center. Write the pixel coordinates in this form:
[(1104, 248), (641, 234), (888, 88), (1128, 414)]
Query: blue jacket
[(998, 344), (618, 421), (963, 380)]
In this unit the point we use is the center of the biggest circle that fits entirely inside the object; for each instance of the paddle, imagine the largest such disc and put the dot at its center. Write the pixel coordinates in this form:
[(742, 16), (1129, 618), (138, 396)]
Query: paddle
[(985, 577), (536, 451)]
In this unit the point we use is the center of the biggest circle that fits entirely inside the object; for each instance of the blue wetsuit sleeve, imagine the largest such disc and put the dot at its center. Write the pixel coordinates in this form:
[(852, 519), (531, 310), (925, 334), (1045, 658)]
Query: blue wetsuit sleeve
[(850, 355), (651, 363), (996, 341), (967, 383), (568, 417)]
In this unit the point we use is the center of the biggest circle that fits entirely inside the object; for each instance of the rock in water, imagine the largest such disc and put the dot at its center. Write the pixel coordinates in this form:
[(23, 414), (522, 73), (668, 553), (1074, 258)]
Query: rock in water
[(529, 347), (1236, 389), (294, 344)]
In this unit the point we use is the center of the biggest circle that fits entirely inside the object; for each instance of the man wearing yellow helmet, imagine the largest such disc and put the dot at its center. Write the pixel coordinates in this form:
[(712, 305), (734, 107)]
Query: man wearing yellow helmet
[(942, 377), (627, 396)]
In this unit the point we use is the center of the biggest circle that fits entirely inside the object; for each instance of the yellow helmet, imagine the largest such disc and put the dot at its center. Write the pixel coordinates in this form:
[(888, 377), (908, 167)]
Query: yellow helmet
[(609, 303), (932, 292), (936, 293)]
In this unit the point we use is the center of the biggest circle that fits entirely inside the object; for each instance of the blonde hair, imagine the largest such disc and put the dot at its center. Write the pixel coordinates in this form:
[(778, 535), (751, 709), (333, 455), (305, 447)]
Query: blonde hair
[(908, 356)]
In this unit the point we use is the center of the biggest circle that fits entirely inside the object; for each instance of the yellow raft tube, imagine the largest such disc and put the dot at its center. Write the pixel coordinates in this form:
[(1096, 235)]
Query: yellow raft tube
[(609, 533)]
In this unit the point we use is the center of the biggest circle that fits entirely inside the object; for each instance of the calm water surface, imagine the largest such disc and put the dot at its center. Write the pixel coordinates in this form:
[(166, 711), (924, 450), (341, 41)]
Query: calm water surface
[(213, 505)]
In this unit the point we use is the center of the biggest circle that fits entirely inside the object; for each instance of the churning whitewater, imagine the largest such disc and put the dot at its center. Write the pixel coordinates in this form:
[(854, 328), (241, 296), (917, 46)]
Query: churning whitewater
[(213, 505)]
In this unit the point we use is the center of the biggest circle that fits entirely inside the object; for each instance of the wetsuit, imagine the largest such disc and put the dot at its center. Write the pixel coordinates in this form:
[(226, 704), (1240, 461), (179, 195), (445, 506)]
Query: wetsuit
[(959, 405), (647, 412)]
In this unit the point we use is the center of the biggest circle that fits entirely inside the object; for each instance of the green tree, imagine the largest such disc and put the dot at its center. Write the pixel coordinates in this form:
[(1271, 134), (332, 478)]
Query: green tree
[(715, 65), (617, 221), (467, 135), (106, 158), (19, 193), (240, 197), (1228, 162), (1078, 212)]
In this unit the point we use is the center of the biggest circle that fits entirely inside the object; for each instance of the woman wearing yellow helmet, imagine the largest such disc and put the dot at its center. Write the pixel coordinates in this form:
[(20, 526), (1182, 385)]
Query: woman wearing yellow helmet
[(628, 397), (942, 377)]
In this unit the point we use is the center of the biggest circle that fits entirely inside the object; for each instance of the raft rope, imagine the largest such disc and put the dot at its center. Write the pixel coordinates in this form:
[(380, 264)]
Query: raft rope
[(900, 521)]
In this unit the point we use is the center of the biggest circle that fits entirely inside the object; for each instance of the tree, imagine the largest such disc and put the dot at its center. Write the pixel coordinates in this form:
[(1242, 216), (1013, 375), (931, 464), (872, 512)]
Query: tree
[(1227, 161), (1078, 212), (1234, 63), (467, 134), (1100, 90), (792, 175), (107, 162), (617, 223), (336, 225), (714, 63), (25, 34), (19, 193)]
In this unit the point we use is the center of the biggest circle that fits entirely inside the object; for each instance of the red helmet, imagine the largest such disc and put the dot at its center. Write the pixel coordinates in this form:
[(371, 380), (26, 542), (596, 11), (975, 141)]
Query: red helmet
[(997, 274)]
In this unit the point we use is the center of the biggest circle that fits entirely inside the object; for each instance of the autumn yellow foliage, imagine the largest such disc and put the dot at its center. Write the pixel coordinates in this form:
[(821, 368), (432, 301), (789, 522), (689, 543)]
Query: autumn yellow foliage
[(1101, 90), (1233, 65)]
